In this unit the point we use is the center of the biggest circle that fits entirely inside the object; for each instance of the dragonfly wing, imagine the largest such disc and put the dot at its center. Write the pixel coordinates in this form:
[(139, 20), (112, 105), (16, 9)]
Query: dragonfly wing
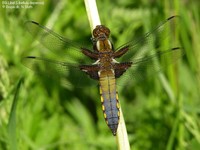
[(55, 43), (142, 68), (151, 41), (145, 52), (59, 70)]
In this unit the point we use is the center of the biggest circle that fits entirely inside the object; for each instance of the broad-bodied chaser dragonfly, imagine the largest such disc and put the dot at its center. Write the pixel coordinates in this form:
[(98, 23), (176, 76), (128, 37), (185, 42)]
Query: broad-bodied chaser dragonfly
[(102, 62)]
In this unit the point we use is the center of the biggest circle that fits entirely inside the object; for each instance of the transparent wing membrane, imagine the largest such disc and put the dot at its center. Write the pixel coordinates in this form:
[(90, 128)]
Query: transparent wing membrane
[(138, 71), (151, 41), (145, 54), (57, 44), (59, 70), (70, 52)]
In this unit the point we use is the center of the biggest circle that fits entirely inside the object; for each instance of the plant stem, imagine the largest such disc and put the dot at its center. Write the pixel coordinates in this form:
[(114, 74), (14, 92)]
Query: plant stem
[(93, 17), (92, 12)]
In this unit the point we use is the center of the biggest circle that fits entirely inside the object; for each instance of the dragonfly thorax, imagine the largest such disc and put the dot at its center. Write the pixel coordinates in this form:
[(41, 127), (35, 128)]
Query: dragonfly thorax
[(104, 45)]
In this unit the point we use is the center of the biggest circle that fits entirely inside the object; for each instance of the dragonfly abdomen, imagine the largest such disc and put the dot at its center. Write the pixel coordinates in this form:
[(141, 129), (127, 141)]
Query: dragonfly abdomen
[(109, 100)]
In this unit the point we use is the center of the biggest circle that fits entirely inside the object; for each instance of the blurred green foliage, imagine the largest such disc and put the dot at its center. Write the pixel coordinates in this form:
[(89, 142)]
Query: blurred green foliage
[(161, 112)]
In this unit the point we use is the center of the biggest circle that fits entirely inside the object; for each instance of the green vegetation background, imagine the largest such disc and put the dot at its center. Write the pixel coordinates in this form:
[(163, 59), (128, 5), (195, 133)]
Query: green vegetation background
[(46, 115)]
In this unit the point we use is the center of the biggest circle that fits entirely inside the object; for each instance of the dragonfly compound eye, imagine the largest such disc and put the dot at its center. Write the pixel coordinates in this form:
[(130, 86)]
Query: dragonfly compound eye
[(101, 31)]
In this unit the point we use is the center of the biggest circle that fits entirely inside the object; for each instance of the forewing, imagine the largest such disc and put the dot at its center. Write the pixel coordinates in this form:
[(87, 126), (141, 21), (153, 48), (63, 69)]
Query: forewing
[(57, 44), (150, 42)]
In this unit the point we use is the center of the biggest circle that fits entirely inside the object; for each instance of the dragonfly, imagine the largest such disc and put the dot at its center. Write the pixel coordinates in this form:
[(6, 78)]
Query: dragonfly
[(102, 63)]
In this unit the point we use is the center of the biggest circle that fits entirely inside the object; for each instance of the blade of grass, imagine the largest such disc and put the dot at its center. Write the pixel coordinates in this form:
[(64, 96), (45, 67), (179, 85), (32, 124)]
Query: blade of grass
[(122, 137), (54, 15), (92, 12), (12, 138), (93, 17)]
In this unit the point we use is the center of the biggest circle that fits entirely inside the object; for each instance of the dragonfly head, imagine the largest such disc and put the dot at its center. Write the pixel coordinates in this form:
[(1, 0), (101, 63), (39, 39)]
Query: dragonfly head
[(101, 32)]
